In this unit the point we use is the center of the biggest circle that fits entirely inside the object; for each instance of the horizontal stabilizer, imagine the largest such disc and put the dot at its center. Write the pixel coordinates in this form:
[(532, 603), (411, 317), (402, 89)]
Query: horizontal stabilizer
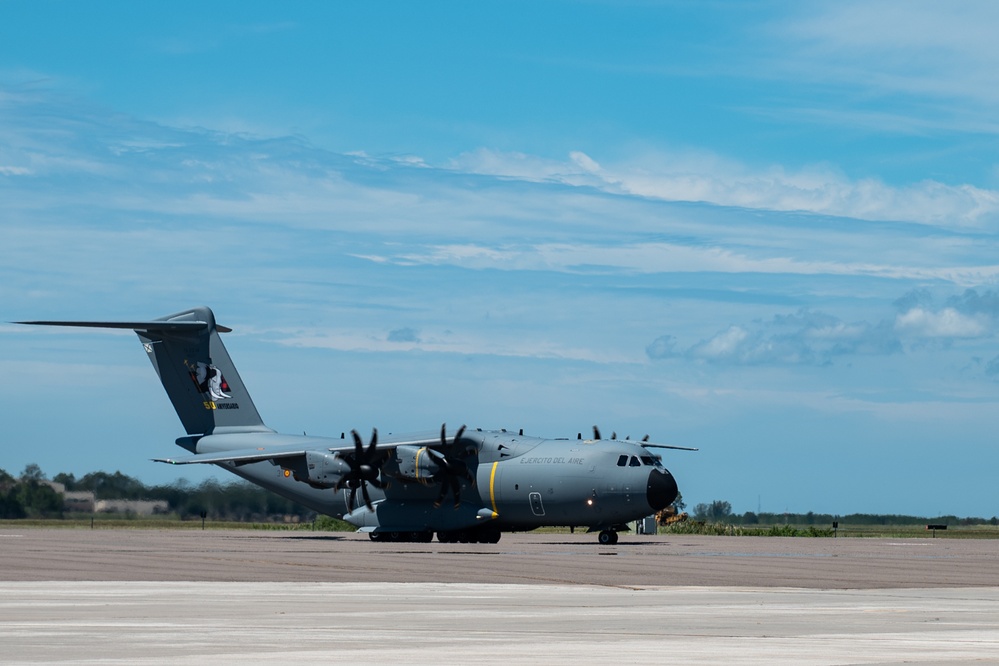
[(133, 325), (193, 366)]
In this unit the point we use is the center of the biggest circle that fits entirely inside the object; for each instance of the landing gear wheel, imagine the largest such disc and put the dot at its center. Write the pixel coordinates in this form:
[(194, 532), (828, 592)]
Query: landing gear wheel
[(374, 536), (489, 536), (607, 538)]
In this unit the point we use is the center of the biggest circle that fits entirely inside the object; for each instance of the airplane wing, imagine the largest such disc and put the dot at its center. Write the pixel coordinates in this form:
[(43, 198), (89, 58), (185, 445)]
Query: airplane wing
[(274, 452), (649, 445), (237, 456)]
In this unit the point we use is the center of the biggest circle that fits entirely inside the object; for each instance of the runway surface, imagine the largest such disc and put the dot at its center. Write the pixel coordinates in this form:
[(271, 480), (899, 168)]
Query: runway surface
[(169, 597), (244, 555)]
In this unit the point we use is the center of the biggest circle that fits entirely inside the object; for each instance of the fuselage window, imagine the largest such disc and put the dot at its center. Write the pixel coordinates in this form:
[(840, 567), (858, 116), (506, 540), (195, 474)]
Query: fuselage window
[(648, 460), (622, 461), (635, 462)]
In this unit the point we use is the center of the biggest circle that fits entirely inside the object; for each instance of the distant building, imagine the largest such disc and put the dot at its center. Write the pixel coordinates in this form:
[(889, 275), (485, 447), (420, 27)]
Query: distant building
[(72, 500), (78, 500), (86, 501), (137, 507), (60, 488)]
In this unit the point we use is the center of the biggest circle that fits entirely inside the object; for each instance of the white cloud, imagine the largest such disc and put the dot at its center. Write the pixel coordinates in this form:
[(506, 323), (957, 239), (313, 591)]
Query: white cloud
[(896, 66), (668, 258), (722, 346), (802, 338), (584, 161), (946, 323), (917, 47), (466, 344), (814, 338), (712, 179)]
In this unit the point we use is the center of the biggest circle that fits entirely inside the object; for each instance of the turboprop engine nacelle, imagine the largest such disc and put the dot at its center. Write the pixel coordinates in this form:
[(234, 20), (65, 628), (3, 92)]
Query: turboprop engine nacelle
[(415, 463), (320, 470)]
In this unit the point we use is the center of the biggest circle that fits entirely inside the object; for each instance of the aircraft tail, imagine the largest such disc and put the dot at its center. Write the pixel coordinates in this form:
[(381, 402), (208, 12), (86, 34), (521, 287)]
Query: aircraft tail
[(195, 369)]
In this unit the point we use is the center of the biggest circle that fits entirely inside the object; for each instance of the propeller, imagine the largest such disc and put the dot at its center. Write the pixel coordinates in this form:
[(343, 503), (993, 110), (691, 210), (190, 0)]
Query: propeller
[(365, 467), (596, 433), (451, 468)]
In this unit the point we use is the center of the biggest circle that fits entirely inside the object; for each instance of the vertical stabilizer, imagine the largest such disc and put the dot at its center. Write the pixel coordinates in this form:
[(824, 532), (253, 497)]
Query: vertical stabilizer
[(195, 369), (198, 374)]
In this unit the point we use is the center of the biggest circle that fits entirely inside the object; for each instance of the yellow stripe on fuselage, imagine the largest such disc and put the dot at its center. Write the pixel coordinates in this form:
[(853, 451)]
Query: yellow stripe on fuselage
[(492, 487)]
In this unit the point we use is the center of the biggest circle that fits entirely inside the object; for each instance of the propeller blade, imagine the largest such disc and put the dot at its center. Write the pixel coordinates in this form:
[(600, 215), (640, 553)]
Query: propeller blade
[(367, 499), (440, 496), (365, 465), (596, 432), (451, 469)]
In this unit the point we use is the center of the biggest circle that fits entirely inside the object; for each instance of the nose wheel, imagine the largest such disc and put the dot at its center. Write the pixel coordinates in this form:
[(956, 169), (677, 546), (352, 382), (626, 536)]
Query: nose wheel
[(607, 538)]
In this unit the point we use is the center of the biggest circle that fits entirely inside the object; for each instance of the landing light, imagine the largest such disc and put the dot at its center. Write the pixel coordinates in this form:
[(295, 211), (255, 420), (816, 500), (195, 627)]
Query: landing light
[(589, 502)]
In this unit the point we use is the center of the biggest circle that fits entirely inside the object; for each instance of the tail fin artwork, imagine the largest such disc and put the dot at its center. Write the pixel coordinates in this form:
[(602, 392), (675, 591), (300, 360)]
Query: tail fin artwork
[(195, 369)]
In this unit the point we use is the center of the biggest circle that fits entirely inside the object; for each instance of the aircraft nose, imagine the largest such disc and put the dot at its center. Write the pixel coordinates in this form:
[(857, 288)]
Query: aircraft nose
[(661, 490)]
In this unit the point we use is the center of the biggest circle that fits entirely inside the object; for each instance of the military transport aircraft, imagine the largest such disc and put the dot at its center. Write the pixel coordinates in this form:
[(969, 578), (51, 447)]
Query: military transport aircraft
[(468, 486)]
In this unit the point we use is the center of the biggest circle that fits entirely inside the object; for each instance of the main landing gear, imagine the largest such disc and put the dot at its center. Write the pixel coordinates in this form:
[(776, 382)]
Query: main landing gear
[(398, 537), (482, 535), (458, 536), (607, 538)]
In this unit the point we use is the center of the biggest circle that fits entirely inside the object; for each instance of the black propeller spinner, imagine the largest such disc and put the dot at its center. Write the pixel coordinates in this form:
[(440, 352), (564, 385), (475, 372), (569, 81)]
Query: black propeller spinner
[(451, 468), (365, 467)]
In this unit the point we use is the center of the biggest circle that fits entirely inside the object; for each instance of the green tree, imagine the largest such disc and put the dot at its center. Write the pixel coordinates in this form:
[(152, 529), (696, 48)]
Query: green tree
[(678, 503), (68, 480), (38, 499), (113, 486), (32, 472), (717, 511)]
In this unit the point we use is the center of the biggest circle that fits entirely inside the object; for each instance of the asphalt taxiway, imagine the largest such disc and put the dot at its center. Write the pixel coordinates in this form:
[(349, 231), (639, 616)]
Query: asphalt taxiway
[(167, 597)]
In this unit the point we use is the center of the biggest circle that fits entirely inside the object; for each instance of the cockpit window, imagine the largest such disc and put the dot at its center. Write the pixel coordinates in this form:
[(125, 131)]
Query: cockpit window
[(647, 460), (635, 462), (622, 461)]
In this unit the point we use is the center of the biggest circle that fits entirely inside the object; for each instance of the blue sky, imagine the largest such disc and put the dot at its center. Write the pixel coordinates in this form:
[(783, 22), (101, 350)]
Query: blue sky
[(768, 230)]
